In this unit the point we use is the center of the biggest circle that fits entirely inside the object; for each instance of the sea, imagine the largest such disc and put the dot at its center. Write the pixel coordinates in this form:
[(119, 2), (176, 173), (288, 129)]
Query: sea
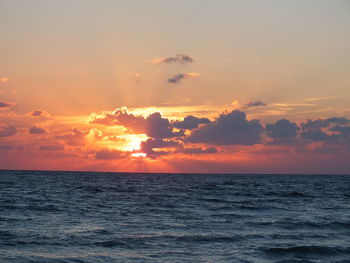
[(61, 217)]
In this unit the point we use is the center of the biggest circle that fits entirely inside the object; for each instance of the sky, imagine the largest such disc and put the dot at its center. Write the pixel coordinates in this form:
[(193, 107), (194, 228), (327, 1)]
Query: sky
[(221, 86)]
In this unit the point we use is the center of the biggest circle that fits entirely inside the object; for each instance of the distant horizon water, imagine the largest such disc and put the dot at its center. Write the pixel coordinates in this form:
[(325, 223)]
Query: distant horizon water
[(159, 173)]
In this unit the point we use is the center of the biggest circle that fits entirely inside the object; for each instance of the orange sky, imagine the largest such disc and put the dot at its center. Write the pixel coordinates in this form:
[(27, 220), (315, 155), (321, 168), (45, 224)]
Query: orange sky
[(128, 86)]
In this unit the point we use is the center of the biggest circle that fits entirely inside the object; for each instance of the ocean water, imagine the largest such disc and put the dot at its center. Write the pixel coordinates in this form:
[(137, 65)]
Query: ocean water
[(112, 217)]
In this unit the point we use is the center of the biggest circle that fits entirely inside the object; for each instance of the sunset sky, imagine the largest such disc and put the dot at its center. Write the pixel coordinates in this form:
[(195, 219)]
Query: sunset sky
[(175, 86)]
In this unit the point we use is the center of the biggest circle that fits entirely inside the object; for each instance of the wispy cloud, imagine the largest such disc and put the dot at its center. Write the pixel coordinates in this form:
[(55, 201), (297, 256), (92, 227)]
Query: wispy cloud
[(293, 104), (314, 99)]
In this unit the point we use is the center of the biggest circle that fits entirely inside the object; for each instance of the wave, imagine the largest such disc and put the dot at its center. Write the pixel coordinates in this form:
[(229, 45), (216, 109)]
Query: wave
[(308, 251), (287, 194)]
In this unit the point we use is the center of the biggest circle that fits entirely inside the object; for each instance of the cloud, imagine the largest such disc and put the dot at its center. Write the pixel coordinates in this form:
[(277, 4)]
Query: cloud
[(181, 58), (120, 116), (178, 77), (151, 144), (6, 104), (76, 137), (7, 130), (228, 129), (236, 104), (36, 130), (3, 79), (321, 129), (199, 150), (94, 134), (257, 103), (51, 147), (343, 130), (322, 123), (282, 129), (157, 147), (38, 113), (190, 122), (158, 127), (313, 99), (315, 135), (107, 154), (154, 125)]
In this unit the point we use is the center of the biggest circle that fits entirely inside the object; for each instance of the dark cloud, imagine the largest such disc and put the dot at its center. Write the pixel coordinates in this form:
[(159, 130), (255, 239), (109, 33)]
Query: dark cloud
[(315, 135), (233, 128), (36, 130), (51, 147), (38, 113), (331, 130), (150, 145), (110, 154), (282, 129), (199, 150), (157, 147), (323, 123), (159, 128), (181, 58), (7, 130), (154, 125), (6, 104), (257, 103), (283, 141), (178, 77), (190, 122), (342, 130), (229, 129)]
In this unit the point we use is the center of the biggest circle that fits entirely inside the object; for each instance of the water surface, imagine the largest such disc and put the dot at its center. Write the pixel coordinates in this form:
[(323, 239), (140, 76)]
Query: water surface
[(110, 217)]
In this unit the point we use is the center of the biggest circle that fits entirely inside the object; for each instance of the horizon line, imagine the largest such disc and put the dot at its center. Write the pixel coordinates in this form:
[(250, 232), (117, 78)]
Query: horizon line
[(164, 173)]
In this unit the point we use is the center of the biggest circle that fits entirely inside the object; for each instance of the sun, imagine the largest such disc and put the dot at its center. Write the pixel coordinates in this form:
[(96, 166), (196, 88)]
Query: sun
[(139, 155), (133, 142)]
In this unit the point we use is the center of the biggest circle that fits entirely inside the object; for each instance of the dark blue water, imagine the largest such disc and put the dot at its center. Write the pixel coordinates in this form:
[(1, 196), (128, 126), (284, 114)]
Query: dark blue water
[(105, 217)]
